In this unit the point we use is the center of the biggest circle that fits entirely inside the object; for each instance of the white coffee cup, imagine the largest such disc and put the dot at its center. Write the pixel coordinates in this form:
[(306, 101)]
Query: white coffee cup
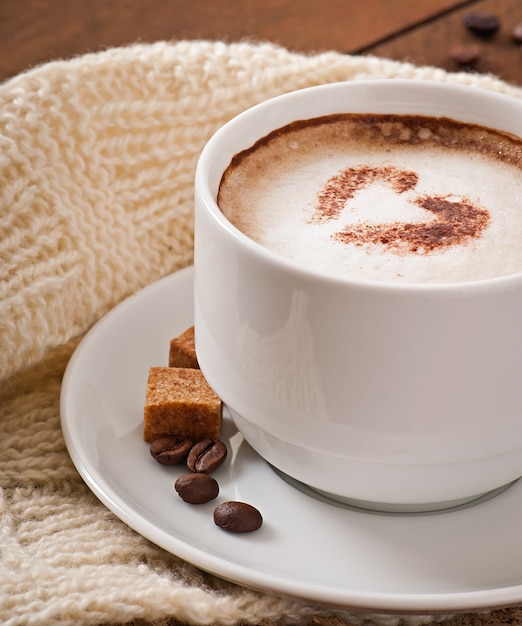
[(387, 396)]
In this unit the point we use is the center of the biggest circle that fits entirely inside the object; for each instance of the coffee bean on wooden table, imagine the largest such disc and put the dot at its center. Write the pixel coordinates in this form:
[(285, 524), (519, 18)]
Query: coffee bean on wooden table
[(516, 33), (482, 24), (170, 450), (464, 54), (196, 488), (206, 456), (237, 517)]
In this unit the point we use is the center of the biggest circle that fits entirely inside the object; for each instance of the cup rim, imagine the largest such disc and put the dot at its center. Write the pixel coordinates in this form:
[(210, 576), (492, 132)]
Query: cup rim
[(213, 149)]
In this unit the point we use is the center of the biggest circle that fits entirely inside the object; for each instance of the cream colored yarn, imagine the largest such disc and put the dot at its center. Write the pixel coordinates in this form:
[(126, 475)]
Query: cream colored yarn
[(97, 156)]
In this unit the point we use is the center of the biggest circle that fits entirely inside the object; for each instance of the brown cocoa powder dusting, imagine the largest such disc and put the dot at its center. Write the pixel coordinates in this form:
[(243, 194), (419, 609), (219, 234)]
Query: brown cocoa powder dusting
[(455, 222), (451, 222), (345, 185)]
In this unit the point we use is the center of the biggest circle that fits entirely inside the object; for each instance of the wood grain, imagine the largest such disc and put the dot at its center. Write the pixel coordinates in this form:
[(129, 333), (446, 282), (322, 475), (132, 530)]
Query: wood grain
[(429, 44), (35, 31)]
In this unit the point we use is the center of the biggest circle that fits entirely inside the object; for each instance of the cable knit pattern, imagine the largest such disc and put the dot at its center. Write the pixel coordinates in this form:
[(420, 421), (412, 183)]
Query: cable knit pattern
[(97, 157)]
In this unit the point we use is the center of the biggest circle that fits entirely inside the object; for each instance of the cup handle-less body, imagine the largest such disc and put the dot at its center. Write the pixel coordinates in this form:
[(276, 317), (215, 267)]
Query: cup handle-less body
[(385, 393)]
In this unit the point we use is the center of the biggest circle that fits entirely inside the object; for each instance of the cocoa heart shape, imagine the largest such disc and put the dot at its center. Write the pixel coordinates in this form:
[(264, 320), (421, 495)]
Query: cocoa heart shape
[(452, 221)]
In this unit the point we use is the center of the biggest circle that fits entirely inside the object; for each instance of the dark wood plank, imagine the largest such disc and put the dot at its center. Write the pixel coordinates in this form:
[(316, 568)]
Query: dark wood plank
[(430, 44), (35, 31)]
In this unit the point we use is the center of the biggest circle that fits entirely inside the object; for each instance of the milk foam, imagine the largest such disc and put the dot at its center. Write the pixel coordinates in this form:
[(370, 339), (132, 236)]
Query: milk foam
[(421, 200)]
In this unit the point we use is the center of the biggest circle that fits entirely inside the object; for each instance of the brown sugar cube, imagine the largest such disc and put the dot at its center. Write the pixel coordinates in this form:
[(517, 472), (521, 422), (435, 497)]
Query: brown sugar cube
[(179, 401), (182, 352)]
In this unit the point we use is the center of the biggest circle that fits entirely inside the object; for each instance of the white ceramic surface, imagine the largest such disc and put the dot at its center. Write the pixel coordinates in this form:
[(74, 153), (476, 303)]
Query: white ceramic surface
[(469, 559), (400, 395)]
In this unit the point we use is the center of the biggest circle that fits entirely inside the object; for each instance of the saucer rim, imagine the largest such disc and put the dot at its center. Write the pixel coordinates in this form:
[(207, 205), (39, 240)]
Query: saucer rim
[(415, 603)]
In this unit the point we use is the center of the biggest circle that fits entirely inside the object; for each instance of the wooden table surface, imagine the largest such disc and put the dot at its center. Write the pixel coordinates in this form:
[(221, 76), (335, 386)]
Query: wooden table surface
[(420, 31)]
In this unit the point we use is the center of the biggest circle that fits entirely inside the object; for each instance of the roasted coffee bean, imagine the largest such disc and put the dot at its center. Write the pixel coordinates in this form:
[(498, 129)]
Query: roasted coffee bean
[(516, 33), (237, 517), (196, 488), (464, 54), (170, 450), (482, 24), (206, 456)]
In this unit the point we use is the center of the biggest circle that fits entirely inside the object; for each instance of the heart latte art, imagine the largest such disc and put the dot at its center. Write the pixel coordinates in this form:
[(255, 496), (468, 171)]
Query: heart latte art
[(454, 221), (392, 198)]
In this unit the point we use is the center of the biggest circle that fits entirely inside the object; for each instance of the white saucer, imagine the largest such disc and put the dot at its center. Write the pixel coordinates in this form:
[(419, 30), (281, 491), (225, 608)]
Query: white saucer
[(468, 559)]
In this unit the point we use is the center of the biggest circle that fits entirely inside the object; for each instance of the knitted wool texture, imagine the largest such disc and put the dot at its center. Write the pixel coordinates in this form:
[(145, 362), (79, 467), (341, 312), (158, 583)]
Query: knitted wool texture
[(97, 157)]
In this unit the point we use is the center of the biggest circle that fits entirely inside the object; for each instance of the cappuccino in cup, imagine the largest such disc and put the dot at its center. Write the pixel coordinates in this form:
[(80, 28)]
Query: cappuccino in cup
[(358, 288), (396, 198)]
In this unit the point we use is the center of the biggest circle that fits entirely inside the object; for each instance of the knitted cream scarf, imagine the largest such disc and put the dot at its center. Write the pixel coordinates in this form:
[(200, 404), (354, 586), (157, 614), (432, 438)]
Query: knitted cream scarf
[(97, 156)]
